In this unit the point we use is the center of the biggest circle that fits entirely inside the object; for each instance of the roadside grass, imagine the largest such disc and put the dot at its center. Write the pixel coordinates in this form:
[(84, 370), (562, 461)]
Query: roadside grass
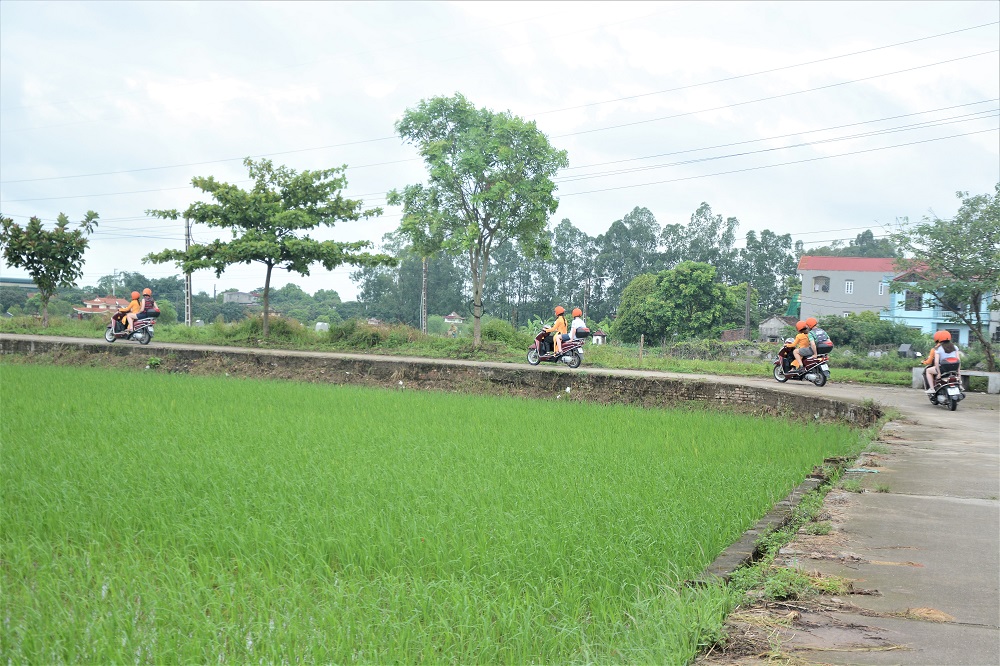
[(398, 340), (225, 520)]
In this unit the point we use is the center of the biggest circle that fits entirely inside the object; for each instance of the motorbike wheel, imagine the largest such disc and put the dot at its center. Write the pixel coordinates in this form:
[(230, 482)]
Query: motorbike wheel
[(952, 404), (575, 360), (779, 374), (820, 379), (144, 337), (109, 335), (533, 357)]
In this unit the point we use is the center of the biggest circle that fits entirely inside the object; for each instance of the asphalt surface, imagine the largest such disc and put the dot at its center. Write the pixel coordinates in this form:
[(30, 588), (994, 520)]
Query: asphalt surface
[(930, 546)]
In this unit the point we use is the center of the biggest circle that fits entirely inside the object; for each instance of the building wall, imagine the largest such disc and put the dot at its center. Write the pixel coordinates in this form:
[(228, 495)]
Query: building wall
[(929, 318), (864, 293)]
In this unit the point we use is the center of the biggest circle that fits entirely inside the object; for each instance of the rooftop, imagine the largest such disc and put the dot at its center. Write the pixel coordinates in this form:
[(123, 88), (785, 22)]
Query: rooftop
[(853, 264)]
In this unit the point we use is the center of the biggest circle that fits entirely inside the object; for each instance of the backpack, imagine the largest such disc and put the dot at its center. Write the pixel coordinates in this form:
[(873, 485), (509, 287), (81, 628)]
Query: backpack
[(821, 336)]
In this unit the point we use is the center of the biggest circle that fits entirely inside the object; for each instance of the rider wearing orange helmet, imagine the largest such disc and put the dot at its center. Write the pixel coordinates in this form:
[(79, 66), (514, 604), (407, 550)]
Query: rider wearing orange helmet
[(559, 329), (946, 359), (823, 343), (130, 312), (578, 322), (805, 345)]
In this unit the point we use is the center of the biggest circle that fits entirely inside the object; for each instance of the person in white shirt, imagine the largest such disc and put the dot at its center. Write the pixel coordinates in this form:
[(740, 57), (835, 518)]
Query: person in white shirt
[(578, 322)]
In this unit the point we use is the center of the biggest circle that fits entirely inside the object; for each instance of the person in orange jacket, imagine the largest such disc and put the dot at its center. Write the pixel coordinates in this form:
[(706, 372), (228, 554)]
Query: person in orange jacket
[(129, 312), (559, 329)]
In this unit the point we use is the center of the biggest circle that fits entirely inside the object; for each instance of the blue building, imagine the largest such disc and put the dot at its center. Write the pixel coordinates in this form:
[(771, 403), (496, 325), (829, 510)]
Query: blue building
[(922, 311)]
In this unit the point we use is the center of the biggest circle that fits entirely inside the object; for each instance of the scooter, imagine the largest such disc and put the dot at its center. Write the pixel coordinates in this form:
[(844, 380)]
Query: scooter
[(947, 390), (815, 369), (543, 351), (142, 330)]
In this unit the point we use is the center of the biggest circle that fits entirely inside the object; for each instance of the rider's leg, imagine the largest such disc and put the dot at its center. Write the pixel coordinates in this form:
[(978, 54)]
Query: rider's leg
[(931, 374)]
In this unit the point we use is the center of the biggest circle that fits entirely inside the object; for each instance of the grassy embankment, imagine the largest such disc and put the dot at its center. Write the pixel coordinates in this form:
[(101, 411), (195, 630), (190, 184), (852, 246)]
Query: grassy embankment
[(505, 346), (264, 520)]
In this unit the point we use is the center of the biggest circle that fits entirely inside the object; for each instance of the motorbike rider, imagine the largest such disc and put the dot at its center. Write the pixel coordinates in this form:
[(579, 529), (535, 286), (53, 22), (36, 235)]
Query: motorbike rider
[(558, 329), (147, 306), (805, 344), (824, 345), (931, 355), (129, 312), (578, 322), (946, 359)]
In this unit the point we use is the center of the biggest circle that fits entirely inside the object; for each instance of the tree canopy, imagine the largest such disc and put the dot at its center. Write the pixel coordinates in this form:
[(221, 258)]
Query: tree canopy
[(52, 257), (266, 220), (957, 262), (489, 182)]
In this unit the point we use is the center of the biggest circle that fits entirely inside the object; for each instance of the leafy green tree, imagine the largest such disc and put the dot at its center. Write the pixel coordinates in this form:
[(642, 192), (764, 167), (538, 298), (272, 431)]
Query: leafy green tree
[(489, 181), (683, 302), (707, 238), (641, 311), (265, 222), (53, 258), (12, 296), (626, 250), (864, 245), (766, 263), (957, 262)]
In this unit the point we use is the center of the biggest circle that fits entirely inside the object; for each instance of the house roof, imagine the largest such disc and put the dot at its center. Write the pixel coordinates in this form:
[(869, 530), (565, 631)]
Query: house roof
[(853, 264), (108, 302)]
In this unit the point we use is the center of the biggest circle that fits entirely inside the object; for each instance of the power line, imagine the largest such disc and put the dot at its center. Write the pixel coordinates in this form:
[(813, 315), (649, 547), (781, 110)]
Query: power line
[(781, 136), (771, 166), (891, 130), (300, 150), (772, 97), (765, 71)]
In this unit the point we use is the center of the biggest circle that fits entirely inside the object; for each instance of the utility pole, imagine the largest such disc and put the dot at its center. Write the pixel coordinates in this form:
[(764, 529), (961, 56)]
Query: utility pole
[(187, 275), (423, 299), (748, 311)]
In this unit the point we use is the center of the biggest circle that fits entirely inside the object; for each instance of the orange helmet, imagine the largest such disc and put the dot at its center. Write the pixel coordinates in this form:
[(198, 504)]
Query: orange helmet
[(942, 336), (811, 322), (577, 312), (560, 310), (801, 326), (135, 295), (147, 292)]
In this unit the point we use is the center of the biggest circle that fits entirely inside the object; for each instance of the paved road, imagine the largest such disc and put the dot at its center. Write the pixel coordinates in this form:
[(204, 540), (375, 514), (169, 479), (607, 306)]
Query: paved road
[(931, 542)]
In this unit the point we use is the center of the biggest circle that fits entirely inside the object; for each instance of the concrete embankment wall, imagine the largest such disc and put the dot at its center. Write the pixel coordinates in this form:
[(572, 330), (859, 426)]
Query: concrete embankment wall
[(549, 383)]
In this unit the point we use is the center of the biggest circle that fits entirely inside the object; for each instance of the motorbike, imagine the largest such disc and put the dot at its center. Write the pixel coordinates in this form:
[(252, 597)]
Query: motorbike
[(815, 369), (142, 330), (543, 351), (947, 390)]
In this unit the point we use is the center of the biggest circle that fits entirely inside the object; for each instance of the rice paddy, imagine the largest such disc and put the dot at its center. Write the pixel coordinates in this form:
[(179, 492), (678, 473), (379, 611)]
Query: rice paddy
[(151, 518)]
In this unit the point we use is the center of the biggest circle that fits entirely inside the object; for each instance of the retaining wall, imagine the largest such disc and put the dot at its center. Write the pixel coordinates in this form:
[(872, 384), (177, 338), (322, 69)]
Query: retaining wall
[(543, 382)]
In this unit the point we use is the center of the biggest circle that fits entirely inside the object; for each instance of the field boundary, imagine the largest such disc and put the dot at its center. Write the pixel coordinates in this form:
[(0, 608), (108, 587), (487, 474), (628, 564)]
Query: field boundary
[(545, 383)]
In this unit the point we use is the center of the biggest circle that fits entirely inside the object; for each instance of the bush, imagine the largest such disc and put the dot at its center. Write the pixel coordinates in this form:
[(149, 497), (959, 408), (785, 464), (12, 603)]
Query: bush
[(251, 330)]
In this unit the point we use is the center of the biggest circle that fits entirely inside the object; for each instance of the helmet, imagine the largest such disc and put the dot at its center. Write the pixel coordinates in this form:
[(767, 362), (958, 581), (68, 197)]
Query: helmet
[(577, 312), (789, 341), (811, 322), (942, 336), (135, 295), (801, 326), (560, 310), (147, 292)]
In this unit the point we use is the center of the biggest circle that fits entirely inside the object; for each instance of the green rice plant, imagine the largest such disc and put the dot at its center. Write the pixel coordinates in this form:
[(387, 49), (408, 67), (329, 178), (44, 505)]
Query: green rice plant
[(268, 521)]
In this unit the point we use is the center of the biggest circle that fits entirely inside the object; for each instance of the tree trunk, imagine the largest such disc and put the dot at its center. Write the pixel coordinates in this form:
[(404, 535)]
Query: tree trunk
[(45, 310), (267, 290), (423, 300)]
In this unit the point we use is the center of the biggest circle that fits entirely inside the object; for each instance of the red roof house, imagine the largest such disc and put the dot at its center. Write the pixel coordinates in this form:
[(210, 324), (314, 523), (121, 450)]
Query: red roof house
[(103, 304)]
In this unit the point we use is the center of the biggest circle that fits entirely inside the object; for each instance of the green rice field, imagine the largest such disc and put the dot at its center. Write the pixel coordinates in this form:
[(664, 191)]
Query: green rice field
[(152, 518)]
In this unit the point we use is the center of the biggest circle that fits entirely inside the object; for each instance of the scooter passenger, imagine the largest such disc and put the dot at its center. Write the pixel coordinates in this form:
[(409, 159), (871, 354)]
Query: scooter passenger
[(805, 344), (578, 322), (931, 355), (946, 359), (558, 329)]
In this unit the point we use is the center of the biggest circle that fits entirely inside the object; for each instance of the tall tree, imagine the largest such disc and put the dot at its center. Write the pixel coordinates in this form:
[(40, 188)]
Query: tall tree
[(957, 262), (265, 222), (627, 250), (864, 245), (766, 263), (490, 175), (53, 257), (707, 239)]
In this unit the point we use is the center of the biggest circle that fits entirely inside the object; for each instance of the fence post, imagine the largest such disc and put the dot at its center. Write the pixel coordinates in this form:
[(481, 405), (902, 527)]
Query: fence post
[(642, 339)]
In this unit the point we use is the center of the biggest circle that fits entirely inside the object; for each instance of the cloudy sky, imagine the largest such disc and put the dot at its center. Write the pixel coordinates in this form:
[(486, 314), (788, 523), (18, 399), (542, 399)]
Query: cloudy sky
[(818, 119)]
